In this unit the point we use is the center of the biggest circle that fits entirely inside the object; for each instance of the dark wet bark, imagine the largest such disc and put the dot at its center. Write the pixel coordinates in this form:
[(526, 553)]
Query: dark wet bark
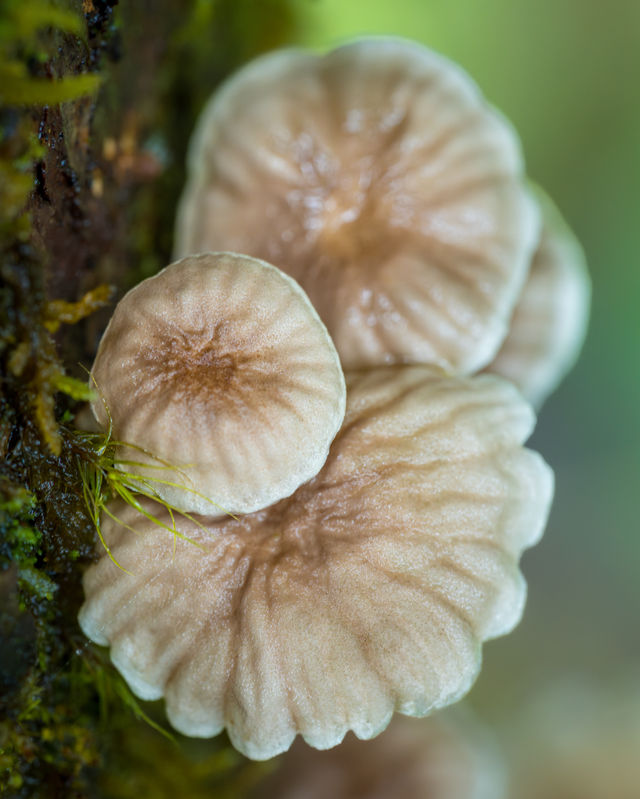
[(88, 190)]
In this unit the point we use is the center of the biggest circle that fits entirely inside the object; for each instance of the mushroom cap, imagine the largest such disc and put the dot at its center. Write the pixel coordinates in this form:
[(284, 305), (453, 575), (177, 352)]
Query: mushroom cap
[(220, 374), (550, 320), (369, 590), (380, 179), (447, 756)]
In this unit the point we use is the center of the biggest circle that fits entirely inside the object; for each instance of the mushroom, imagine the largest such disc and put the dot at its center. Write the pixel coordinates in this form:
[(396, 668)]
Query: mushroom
[(550, 319), (379, 178), (222, 382), (447, 756), (369, 590)]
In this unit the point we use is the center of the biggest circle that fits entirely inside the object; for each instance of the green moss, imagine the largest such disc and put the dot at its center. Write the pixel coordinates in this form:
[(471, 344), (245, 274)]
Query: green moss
[(88, 190), (146, 765), (19, 540), (23, 26)]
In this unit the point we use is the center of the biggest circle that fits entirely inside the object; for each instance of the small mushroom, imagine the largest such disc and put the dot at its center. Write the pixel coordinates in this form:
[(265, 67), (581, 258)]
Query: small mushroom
[(369, 590), (447, 756), (380, 179), (550, 319), (220, 377)]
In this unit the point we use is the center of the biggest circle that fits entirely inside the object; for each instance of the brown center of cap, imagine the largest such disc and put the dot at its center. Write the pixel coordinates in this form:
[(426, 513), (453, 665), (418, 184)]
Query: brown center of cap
[(192, 366), (220, 367), (346, 206)]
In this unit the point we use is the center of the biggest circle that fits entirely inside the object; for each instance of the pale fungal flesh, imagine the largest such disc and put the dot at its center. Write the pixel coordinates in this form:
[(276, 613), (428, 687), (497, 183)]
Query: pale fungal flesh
[(369, 590), (550, 319), (380, 179), (447, 756), (220, 375)]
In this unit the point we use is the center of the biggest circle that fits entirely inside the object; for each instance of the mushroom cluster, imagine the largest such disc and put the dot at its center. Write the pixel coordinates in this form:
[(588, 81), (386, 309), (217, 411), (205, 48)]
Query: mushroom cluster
[(369, 590), (378, 177), (370, 556)]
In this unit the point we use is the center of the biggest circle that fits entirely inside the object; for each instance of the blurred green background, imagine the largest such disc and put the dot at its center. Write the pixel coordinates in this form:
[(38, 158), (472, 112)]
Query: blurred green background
[(566, 73)]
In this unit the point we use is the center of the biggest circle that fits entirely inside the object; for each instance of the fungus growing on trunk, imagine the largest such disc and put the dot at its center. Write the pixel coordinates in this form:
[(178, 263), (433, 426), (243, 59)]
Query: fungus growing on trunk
[(380, 179), (221, 378), (369, 590)]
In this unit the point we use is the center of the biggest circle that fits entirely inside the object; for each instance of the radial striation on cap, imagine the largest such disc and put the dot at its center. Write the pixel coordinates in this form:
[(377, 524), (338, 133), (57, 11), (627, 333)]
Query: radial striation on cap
[(380, 179), (369, 590), (223, 380), (550, 319)]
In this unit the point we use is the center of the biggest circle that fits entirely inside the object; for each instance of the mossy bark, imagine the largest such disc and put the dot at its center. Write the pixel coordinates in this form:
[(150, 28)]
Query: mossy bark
[(98, 105)]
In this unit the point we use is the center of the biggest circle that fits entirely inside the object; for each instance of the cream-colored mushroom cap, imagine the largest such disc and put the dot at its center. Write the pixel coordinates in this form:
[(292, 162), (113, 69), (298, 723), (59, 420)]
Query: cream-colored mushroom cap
[(550, 319), (380, 179), (219, 367), (369, 590), (447, 756)]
